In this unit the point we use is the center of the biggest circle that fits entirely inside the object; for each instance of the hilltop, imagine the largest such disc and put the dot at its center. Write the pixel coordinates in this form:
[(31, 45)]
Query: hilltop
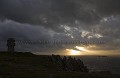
[(28, 65)]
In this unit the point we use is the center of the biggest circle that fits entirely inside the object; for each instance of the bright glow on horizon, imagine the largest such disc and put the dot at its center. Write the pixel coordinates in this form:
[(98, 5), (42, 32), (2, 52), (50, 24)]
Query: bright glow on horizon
[(73, 52), (77, 50)]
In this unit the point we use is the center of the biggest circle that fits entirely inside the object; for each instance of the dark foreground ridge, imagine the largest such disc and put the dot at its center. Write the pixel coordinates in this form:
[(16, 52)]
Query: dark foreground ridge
[(28, 65)]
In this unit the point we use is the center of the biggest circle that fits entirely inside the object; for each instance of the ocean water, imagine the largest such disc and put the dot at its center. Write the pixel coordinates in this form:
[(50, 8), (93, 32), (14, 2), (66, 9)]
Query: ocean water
[(96, 63)]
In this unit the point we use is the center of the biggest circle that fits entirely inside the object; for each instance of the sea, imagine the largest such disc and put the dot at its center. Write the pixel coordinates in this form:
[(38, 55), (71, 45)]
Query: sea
[(102, 63)]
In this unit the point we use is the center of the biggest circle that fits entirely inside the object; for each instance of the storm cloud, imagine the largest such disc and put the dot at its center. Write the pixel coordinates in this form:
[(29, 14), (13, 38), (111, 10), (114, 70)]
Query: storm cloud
[(50, 13), (60, 20)]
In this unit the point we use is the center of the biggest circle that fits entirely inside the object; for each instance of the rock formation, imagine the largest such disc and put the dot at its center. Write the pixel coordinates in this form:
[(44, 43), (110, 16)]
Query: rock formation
[(68, 63)]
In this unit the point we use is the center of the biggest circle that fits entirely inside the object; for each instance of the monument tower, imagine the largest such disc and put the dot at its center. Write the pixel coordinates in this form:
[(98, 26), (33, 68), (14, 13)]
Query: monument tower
[(11, 44)]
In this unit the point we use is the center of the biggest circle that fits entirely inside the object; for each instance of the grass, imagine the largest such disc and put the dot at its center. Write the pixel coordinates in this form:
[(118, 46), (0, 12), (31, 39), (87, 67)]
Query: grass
[(27, 65)]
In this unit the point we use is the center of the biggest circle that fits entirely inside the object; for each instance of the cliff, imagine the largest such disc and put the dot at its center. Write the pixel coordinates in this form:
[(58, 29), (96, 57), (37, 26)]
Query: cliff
[(28, 65)]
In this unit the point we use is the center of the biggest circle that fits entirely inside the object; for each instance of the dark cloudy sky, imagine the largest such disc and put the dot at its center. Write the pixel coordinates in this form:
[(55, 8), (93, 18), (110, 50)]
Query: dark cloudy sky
[(62, 20)]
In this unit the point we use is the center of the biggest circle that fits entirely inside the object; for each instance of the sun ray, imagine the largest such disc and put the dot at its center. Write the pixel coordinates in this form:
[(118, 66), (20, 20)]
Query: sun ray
[(81, 48)]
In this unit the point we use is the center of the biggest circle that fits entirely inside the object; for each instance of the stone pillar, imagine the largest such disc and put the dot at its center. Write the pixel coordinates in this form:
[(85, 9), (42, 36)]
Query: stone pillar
[(11, 44)]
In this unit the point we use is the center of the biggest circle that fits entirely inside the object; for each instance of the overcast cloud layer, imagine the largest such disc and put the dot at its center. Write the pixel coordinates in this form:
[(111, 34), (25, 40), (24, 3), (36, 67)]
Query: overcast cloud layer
[(61, 20)]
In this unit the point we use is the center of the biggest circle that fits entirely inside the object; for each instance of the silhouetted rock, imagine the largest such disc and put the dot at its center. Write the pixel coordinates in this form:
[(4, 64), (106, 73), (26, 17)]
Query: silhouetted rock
[(68, 64)]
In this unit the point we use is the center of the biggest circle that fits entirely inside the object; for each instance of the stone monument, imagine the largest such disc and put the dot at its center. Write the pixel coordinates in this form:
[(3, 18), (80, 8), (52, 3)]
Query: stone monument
[(11, 44)]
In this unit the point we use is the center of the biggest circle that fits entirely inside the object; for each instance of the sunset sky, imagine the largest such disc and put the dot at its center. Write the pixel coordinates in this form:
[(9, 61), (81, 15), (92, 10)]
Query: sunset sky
[(62, 20)]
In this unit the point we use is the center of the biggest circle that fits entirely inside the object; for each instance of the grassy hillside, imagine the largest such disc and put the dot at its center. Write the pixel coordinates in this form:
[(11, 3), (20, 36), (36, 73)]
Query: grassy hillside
[(27, 65)]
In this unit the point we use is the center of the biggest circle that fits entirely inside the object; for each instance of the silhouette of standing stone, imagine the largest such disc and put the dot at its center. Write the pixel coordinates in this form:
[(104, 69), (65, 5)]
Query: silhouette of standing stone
[(11, 44)]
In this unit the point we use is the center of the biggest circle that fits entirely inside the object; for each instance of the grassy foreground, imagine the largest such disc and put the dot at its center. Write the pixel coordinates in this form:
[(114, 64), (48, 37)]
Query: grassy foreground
[(27, 65)]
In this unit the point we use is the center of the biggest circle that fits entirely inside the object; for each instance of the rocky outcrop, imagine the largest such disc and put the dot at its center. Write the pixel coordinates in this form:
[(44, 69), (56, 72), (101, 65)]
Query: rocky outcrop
[(68, 63)]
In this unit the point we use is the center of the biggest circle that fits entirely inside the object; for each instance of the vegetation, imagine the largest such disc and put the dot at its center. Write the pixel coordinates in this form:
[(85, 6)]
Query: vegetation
[(27, 65)]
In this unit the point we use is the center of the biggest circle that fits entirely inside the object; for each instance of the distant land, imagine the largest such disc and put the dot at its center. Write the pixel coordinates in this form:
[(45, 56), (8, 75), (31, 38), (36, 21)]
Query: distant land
[(28, 65)]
